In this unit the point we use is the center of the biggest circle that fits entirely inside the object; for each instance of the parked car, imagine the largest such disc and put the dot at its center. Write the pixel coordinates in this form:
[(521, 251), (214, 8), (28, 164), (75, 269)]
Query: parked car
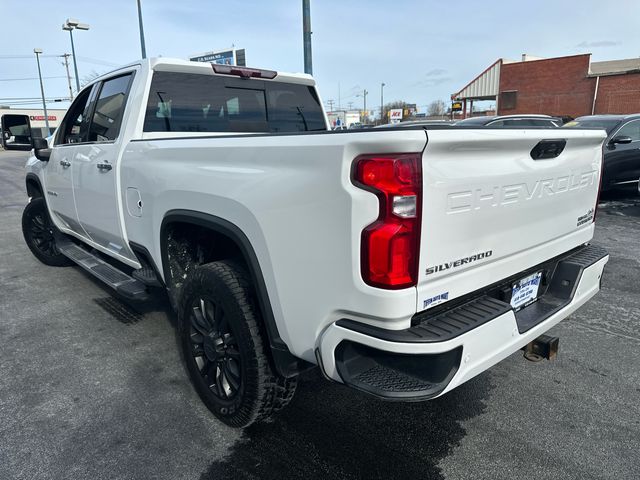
[(622, 146), (511, 121), (402, 263), (417, 123)]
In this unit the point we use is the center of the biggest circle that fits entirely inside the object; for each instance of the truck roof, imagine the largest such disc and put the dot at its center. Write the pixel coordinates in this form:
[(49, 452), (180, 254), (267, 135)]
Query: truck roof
[(180, 65)]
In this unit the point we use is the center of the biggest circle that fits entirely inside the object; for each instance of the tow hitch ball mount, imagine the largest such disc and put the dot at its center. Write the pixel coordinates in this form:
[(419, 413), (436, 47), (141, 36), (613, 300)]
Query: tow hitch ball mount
[(542, 347)]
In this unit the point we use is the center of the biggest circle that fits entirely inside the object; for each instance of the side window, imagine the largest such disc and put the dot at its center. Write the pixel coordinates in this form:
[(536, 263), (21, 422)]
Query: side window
[(294, 108), (631, 129), (107, 117), (518, 122), (544, 123), (499, 123), (74, 126)]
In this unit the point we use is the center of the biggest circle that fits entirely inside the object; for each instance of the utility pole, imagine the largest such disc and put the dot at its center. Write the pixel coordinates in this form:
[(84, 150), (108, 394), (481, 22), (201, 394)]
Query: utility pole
[(38, 51), (339, 106), (330, 102), (66, 65), (306, 36), (142, 46), (364, 94), (382, 103), (350, 105)]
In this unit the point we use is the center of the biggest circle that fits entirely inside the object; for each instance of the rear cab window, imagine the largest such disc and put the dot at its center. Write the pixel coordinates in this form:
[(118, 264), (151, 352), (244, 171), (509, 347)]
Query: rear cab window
[(192, 102)]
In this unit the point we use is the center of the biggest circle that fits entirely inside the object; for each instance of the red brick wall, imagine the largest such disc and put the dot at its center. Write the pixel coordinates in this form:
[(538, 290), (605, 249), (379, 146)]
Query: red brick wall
[(554, 86), (619, 94)]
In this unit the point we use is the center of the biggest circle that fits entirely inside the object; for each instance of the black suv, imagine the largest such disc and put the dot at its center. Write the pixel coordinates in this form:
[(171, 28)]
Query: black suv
[(621, 148)]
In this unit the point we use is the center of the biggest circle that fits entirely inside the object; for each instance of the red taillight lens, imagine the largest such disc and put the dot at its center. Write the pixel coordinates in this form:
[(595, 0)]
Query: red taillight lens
[(243, 72), (390, 245)]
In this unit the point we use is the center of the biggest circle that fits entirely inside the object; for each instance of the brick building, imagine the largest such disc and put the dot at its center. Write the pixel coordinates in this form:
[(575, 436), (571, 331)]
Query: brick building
[(562, 86)]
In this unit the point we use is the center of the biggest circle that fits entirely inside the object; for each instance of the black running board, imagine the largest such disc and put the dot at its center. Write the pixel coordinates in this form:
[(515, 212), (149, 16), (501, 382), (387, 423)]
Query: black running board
[(122, 283)]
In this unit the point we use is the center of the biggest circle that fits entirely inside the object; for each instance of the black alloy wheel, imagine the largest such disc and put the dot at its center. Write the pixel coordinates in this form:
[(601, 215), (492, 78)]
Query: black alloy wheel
[(215, 349), (225, 348), (40, 234)]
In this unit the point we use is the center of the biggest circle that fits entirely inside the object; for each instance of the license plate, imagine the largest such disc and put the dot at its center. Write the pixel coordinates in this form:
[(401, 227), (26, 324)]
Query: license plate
[(525, 290)]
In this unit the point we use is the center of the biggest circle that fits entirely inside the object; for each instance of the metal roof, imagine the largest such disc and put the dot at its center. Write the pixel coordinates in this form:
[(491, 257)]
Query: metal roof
[(614, 67), (484, 87)]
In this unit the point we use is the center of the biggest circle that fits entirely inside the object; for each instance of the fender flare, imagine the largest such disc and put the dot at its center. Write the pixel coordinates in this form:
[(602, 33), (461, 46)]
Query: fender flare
[(285, 362), (32, 177)]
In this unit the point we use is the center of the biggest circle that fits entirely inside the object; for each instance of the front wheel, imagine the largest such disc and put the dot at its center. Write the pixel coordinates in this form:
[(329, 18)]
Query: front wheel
[(224, 349), (38, 232)]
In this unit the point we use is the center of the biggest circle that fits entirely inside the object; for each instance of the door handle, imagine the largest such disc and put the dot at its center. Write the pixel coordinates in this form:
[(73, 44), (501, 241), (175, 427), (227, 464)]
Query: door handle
[(104, 166), (65, 163)]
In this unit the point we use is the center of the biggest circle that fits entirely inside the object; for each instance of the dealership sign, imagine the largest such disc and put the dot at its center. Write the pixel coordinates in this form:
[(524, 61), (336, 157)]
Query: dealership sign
[(52, 118), (224, 57), (456, 106)]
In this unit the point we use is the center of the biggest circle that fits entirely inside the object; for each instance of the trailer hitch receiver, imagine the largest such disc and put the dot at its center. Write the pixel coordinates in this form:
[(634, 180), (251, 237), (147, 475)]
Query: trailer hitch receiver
[(542, 347)]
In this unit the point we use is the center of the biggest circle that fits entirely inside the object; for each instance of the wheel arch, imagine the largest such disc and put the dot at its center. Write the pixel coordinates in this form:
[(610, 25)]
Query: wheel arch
[(34, 186), (284, 361)]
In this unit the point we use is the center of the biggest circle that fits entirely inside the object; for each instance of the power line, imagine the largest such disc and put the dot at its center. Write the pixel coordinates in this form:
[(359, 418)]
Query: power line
[(11, 57), (96, 61), (26, 78)]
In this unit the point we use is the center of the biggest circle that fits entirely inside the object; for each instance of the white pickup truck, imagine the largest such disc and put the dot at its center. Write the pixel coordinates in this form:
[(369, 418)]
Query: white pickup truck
[(401, 262)]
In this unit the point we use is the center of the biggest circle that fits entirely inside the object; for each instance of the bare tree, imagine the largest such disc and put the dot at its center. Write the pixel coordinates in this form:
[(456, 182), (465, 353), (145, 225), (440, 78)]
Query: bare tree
[(437, 107), (89, 77), (396, 104)]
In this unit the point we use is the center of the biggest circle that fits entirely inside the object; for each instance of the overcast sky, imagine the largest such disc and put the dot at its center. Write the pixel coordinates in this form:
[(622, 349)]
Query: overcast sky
[(422, 49)]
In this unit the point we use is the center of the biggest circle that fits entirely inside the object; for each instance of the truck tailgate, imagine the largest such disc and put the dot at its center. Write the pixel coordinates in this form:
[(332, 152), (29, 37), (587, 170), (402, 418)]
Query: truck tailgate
[(490, 210)]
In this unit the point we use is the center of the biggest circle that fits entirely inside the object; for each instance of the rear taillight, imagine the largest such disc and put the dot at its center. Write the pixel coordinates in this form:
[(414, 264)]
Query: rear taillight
[(390, 245)]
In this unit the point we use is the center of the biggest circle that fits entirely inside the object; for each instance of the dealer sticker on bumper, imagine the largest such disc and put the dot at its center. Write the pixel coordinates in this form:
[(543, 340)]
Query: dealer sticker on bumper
[(525, 290)]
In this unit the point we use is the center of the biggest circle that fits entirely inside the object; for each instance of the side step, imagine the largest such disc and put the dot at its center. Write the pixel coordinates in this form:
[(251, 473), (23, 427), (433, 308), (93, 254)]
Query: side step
[(122, 283)]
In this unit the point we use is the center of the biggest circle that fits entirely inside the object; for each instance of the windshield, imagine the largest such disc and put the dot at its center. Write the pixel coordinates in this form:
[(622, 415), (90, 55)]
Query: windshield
[(607, 123)]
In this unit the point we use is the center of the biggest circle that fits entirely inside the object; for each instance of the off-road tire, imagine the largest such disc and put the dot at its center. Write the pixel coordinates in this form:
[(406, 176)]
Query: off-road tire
[(39, 234), (225, 287)]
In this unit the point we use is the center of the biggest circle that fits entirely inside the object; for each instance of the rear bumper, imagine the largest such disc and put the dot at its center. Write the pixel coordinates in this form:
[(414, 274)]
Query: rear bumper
[(452, 346)]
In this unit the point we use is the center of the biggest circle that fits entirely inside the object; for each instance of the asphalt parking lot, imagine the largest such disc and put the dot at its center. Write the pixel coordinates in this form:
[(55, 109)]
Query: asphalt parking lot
[(93, 388)]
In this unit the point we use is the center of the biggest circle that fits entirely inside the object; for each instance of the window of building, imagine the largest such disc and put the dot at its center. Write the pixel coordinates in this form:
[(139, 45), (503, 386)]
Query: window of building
[(508, 99)]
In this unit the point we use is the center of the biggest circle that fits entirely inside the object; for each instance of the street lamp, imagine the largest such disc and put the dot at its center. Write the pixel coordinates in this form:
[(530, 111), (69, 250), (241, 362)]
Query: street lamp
[(70, 24), (142, 45), (382, 102), (38, 51)]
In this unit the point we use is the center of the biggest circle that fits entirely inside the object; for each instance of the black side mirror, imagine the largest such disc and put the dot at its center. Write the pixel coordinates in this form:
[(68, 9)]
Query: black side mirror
[(41, 149), (16, 132), (622, 139)]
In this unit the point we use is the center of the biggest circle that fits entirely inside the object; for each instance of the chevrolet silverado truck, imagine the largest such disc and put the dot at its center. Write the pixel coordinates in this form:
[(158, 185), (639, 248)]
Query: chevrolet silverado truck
[(401, 262)]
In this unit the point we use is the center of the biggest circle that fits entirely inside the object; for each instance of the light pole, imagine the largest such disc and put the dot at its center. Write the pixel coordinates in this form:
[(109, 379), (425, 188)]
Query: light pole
[(306, 36), (142, 45), (382, 102), (70, 24), (38, 51)]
